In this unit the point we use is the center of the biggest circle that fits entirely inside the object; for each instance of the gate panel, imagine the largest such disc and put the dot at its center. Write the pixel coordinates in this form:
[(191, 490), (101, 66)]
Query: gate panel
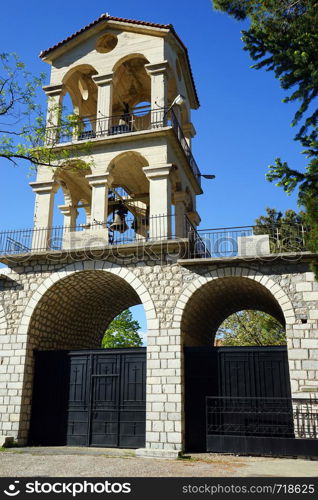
[(105, 398), (231, 372), (89, 398), (201, 380), (50, 399), (77, 381), (132, 403)]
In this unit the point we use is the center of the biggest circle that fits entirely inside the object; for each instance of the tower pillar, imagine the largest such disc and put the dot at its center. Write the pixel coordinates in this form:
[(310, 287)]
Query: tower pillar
[(43, 213), (99, 209), (104, 100), (54, 94), (160, 200), (180, 211), (159, 90), (70, 215)]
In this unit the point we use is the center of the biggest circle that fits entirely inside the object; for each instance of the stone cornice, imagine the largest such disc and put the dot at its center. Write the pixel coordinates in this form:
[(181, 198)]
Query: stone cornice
[(43, 187), (287, 258), (161, 172), (102, 80), (157, 68), (53, 90), (99, 179)]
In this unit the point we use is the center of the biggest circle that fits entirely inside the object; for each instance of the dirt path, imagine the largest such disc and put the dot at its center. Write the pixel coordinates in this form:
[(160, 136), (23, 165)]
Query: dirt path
[(97, 462)]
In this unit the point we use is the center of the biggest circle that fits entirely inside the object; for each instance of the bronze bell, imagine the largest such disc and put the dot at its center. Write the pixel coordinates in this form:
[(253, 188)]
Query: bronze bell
[(119, 224)]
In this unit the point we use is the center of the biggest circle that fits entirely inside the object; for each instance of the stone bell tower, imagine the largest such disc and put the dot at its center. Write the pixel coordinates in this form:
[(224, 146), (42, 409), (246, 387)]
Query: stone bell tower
[(128, 160)]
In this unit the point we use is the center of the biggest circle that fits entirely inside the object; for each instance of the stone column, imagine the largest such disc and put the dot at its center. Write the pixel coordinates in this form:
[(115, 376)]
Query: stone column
[(43, 213), (159, 90), (70, 215), (104, 101), (99, 209), (180, 211), (160, 201), (54, 94), (165, 400)]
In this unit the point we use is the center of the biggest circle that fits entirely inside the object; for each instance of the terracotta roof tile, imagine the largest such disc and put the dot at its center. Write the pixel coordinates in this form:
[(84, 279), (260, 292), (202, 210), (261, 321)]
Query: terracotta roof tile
[(104, 17)]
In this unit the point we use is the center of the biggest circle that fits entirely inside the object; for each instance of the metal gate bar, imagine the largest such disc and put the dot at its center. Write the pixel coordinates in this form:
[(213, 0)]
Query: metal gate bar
[(262, 426)]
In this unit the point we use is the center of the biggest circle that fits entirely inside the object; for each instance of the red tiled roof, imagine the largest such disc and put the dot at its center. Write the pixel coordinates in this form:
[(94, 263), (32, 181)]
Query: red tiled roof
[(103, 17)]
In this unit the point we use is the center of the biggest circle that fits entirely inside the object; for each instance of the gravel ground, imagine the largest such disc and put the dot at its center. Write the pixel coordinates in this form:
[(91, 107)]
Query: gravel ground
[(92, 462)]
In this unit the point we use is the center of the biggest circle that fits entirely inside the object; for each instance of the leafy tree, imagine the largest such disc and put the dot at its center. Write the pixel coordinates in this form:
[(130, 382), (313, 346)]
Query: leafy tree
[(122, 332), (274, 217), (283, 38), (24, 132), (246, 328), (287, 232)]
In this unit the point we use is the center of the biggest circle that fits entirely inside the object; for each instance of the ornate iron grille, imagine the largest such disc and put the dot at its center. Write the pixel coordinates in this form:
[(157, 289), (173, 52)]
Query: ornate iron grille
[(262, 417)]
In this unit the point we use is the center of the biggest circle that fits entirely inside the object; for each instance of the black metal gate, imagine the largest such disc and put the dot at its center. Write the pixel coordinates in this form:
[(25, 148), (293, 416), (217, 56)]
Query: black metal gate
[(89, 398), (232, 373)]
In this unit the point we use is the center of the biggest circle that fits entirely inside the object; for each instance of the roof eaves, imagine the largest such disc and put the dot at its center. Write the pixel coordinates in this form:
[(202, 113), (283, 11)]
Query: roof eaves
[(107, 17)]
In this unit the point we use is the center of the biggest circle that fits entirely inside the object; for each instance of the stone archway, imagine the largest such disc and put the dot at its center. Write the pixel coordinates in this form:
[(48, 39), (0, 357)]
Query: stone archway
[(71, 310), (218, 373), (211, 298)]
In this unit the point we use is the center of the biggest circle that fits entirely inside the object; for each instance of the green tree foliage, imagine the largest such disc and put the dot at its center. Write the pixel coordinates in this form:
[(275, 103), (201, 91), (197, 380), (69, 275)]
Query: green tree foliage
[(23, 130), (248, 328), (283, 38), (122, 332), (287, 232)]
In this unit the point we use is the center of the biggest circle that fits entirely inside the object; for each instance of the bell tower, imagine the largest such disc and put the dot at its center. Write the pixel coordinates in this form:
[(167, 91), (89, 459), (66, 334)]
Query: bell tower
[(124, 154)]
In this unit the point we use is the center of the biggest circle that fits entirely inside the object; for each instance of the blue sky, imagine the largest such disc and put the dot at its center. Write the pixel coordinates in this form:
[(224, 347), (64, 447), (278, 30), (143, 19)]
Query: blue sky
[(242, 124)]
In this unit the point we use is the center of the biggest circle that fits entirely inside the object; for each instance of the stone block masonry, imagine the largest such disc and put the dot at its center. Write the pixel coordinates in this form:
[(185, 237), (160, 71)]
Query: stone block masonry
[(54, 305)]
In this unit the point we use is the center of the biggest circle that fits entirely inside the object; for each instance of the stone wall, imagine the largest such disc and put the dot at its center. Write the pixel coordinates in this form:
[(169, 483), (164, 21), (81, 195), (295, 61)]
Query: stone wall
[(67, 305)]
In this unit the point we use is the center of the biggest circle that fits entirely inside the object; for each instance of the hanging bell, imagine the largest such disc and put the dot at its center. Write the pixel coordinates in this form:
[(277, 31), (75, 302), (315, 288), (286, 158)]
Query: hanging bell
[(119, 224)]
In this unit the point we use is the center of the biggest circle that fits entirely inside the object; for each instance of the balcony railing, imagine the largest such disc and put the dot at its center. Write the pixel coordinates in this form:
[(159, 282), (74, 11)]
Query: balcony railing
[(212, 243), (137, 230), (91, 128), (249, 240)]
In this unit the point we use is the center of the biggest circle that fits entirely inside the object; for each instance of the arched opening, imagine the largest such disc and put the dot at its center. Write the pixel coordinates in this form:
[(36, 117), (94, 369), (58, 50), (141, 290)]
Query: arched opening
[(250, 328), (79, 97), (65, 333), (230, 390), (127, 171), (72, 199), (131, 93), (67, 107), (211, 304), (75, 312), (131, 190)]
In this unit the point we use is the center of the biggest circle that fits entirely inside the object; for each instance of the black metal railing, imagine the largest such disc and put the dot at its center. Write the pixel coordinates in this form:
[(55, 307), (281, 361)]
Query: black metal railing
[(135, 230), (233, 241), (185, 146), (215, 243), (305, 414), (262, 417), (89, 128)]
